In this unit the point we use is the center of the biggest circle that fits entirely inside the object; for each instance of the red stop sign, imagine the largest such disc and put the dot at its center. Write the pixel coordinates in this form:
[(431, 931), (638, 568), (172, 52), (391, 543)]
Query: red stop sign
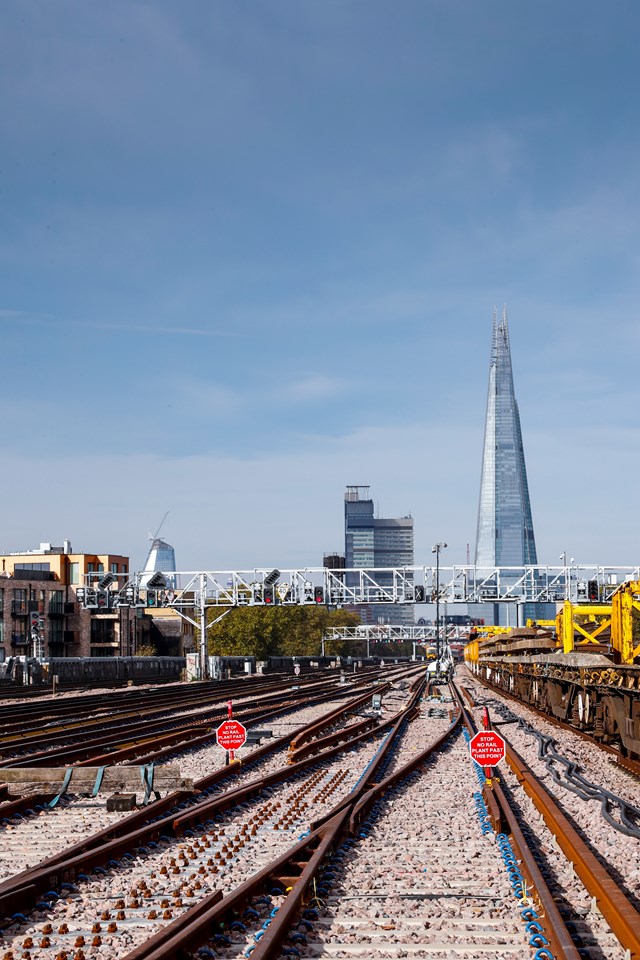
[(231, 734), (487, 748)]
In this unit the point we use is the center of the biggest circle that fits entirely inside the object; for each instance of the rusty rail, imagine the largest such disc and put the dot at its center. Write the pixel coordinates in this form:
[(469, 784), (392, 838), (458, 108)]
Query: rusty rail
[(19, 892), (614, 905)]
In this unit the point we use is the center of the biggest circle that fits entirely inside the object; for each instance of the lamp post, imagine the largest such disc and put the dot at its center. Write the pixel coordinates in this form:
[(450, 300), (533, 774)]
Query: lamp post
[(436, 549), (567, 574)]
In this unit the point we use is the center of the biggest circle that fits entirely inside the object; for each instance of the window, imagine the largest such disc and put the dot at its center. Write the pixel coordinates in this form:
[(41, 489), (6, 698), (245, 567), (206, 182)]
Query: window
[(123, 569), (91, 568), (55, 633), (103, 652), (1, 603), (32, 566), (103, 631), (114, 568), (19, 604), (74, 572), (19, 632), (56, 600), (101, 568)]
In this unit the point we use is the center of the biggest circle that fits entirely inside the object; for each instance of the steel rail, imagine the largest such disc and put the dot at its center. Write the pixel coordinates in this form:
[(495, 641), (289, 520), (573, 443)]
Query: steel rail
[(277, 931), (628, 763), (338, 713), (155, 730), (157, 712), (18, 893), (21, 805), (505, 821), (295, 868), (222, 690), (614, 905), (293, 871)]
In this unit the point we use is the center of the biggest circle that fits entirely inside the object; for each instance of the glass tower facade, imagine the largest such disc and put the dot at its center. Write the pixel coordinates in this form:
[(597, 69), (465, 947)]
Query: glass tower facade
[(505, 528), (372, 541), (161, 558)]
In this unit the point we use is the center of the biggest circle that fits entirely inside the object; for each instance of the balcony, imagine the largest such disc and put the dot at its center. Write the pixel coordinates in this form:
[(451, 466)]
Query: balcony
[(56, 609)]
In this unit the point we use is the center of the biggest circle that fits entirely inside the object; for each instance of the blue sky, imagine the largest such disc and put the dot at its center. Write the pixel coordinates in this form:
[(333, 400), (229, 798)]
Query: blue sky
[(250, 253)]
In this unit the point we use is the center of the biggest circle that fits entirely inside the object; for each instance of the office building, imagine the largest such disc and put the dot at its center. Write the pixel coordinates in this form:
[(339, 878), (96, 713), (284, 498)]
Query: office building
[(505, 528), (505, 535), (372, 541), (160, 559)]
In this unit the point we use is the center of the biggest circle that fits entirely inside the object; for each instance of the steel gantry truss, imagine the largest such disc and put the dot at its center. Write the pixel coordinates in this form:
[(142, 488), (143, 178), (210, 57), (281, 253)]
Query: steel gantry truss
[(201, 593), (394, 633)]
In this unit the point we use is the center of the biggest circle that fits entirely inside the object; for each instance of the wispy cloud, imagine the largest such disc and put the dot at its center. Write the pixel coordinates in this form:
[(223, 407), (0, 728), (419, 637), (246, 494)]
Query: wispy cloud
[(316, 387), (152, 329)]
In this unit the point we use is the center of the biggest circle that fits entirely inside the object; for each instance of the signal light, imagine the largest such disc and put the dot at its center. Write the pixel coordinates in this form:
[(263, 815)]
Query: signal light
[(157, 580), (318, 594), (592, 590), (152, 598), (103, 599), (34, 619), (419, 595), (268, 595)]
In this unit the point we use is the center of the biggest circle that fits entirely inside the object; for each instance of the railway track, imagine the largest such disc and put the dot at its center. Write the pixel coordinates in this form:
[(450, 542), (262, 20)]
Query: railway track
[(187, 747), (117, 739), (377, 846), (21, 891)]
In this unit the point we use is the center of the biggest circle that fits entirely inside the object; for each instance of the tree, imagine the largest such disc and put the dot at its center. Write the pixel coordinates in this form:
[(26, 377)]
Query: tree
[(277, 631)]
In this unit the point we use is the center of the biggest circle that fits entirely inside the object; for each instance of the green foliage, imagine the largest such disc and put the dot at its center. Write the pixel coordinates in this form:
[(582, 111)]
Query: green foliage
[(278, 631), (146, 650)]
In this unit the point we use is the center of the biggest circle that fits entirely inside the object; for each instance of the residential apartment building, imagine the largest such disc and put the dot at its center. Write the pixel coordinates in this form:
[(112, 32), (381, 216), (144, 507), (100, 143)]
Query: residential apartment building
[(40, 614)]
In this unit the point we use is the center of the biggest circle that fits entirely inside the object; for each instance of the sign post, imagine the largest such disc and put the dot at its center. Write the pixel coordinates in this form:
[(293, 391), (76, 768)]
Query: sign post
[(487, 748)]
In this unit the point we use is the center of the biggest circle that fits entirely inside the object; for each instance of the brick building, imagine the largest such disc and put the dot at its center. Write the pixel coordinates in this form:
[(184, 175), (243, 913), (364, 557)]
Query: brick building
[(40, 614)]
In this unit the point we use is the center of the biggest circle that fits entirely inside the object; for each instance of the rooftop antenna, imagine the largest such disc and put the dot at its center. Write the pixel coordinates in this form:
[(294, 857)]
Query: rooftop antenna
[(155, 536)]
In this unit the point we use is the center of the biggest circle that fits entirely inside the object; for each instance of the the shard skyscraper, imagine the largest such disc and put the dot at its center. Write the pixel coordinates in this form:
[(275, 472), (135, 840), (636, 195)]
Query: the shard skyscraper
[(505, 528)]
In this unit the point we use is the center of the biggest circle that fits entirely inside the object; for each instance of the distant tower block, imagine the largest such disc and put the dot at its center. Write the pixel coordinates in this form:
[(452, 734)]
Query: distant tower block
[(161, 559), (505, 528), (376, 542)]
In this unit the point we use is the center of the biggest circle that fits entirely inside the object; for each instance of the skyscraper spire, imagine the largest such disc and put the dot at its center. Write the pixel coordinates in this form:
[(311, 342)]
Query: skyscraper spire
[(505, 528)]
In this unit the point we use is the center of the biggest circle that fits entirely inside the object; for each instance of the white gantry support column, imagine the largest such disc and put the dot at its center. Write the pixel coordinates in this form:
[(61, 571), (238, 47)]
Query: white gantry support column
[(204, 647)]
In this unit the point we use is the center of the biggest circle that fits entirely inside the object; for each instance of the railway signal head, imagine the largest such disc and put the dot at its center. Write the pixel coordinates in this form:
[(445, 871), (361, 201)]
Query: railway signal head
[(592, 590), (268, 596), (419, 595), (102, 599), (152, 598), (318, 594)]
